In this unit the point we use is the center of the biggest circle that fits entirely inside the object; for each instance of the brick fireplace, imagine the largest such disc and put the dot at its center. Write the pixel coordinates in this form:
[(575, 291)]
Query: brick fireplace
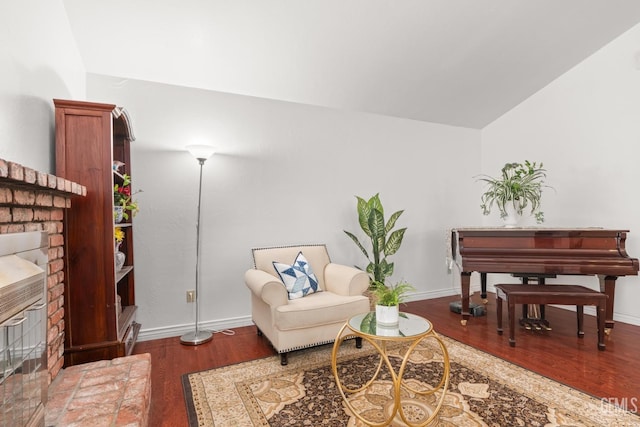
[(36, 201)]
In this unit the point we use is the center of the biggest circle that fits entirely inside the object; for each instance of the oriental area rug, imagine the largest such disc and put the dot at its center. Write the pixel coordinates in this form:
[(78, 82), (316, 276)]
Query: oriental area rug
[(483, 391)]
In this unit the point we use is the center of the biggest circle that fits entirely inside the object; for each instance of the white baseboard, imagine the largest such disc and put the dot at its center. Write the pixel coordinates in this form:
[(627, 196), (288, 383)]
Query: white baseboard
[(237, 322), (179, 330)]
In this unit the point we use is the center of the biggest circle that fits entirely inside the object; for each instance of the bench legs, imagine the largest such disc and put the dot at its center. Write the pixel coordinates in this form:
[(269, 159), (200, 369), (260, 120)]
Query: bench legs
[(511, 313), (601, 314), (580, 315), (499, 313), (511, 307)]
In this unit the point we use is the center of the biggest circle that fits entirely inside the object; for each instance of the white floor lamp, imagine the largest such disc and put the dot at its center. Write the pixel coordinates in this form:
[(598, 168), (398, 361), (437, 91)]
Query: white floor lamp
[(201, 153)]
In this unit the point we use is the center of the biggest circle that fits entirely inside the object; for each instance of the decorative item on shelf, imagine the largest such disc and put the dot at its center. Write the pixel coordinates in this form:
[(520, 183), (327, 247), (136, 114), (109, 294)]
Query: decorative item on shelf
[(383, 241), (118, 234), (117, 165), (119, 256), (519, 187), (118, 214), (388, 300), (122, 196), (201, 153)]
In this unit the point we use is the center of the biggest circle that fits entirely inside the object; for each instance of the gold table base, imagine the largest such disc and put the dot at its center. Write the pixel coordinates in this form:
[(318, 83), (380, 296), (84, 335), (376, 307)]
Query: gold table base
[(380, 344)]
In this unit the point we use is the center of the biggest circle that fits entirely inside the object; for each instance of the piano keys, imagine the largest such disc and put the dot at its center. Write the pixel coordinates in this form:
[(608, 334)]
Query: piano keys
[(542, 251)]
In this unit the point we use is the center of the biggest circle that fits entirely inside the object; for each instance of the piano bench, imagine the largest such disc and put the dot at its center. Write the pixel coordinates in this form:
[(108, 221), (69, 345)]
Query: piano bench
[(576, 295)]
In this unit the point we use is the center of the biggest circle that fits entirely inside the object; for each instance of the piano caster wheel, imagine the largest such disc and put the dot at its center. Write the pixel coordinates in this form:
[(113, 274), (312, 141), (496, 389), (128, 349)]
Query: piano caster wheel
[(463, 322), (485, 301), (607, 331)]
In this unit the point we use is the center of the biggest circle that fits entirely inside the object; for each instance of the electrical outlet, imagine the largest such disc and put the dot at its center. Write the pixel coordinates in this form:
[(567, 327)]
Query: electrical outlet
[(191, 296)]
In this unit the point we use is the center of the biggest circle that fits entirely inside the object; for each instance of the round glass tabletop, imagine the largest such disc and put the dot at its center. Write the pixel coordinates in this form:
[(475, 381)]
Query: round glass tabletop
[(410, 325)]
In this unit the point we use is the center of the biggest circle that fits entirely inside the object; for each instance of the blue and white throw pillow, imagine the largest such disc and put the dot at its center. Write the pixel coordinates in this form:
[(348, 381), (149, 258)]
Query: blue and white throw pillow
[(297, 278)]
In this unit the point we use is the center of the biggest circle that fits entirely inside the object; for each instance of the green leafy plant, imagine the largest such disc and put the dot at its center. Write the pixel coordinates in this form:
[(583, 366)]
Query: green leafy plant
[(391, 295), (122, 196), (520, 184), (384, 241)]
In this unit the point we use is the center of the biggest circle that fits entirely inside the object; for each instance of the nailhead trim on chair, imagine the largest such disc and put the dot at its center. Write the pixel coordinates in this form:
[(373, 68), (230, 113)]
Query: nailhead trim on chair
[(285, 247)]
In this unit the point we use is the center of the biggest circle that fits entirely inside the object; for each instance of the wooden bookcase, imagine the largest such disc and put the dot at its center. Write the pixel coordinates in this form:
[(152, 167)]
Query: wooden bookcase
[(100, 307)]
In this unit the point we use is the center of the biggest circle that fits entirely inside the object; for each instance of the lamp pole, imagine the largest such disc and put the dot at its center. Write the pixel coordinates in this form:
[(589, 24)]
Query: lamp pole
[(201, 153)]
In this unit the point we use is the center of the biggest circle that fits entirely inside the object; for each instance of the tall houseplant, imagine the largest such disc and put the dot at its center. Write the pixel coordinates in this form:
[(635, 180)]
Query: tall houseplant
[(519, 186), (383, 240)]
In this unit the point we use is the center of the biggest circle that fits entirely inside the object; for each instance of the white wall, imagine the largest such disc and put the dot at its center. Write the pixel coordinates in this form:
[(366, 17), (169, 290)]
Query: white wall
[(285, 174), (585, 127), (39, 61)]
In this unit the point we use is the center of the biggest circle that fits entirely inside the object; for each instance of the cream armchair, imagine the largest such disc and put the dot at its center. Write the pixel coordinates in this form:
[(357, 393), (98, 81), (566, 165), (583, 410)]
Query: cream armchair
[(292, 324)]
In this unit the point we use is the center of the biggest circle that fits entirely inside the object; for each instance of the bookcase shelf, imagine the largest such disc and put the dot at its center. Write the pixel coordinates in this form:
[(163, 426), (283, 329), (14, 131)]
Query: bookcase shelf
[(100, 306)]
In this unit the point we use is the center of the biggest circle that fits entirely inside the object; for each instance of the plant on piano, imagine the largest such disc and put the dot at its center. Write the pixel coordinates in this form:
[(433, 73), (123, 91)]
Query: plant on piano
[(384, 241), (520, 184)]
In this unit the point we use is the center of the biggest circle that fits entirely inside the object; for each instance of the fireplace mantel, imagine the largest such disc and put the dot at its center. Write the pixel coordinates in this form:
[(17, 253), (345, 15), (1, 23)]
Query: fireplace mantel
[(35, 201)]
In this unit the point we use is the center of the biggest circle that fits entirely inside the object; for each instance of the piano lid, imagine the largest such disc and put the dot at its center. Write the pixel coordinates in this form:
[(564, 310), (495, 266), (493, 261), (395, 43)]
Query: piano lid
[(543, 250)]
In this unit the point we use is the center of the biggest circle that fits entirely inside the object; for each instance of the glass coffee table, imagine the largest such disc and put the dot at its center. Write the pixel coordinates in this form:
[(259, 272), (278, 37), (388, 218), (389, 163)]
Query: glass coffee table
[(411, 330)]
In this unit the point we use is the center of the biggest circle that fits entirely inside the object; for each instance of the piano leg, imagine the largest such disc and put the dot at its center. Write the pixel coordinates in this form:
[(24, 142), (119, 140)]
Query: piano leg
[(608, 286), (483, 288), (465, 282)]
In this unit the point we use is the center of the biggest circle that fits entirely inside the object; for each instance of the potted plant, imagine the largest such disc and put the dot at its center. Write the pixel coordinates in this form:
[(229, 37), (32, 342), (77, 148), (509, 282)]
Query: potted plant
[(384, 241), (388, 300), (518, 188), (123, 201)]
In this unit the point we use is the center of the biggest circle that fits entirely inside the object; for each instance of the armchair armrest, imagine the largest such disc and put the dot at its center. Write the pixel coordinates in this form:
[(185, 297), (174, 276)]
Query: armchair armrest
[(345, 280), (270, 289)]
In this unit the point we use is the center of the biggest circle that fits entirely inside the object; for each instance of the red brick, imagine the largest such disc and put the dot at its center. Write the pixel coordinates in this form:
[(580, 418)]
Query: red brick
[(6, 195), (52, 331), (53, 253), (29, 175), (59, 202), (67, 186), (51, 227), (52, 307), (57, 316), (41, 214), (57, 215), (16, 171), (60, 183), (15, 228), (5, 215), (4, 169), (22, 214), (33, 226), (56, 240), (56, 291), (56, 265), (44, 199), (42, 179), (52, 181), (52, 280), (24, 198)]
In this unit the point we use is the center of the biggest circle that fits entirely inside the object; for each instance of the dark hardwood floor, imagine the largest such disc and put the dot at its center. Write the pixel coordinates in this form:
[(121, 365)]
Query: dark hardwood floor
[(559, 354)]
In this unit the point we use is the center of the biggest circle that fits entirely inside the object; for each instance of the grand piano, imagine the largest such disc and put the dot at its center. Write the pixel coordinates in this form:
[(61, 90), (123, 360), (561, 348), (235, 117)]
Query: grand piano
[(542, 252)]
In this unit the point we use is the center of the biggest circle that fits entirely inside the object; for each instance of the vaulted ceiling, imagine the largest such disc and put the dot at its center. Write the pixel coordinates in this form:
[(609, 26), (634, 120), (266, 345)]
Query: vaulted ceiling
[(457, 62)]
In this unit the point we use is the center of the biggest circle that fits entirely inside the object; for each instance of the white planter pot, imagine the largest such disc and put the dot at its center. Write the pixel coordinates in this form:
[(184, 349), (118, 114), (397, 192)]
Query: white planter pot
[(387, 330), (513, 217), (386, 315)]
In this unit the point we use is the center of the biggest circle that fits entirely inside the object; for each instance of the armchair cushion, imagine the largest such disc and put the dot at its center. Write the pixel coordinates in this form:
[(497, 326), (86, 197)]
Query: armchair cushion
[(292, 324), (298, 278)]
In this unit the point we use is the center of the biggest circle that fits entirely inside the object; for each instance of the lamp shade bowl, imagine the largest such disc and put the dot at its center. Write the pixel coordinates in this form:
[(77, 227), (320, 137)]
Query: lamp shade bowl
[(201, 152)]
